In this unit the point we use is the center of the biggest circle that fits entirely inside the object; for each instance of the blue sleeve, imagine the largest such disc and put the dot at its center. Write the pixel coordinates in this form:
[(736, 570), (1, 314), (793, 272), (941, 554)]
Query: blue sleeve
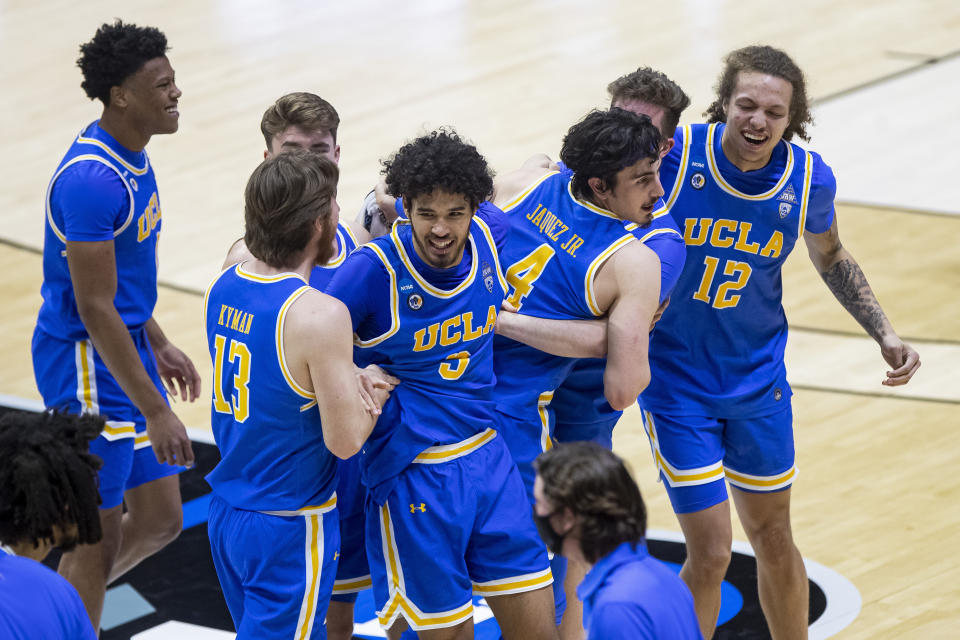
[(823, 190), (91, 200), (497, 220), (672, 252), (398, 205), (620, 621), (363, 285)]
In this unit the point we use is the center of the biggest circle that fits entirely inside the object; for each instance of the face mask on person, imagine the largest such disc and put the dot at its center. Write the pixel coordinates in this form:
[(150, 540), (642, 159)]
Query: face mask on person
[(553, 540)]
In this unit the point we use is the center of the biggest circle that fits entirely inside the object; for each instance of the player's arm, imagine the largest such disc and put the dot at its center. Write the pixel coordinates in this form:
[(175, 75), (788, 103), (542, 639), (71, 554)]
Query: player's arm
[(508, 186), (565, 338), (359, 232), (238, 253), (845, 279), (630, 280), (318, 342), (93, 272)]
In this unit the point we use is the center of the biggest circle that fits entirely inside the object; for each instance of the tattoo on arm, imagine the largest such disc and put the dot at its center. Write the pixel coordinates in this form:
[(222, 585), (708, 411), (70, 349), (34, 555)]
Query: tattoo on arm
[(848, 284)]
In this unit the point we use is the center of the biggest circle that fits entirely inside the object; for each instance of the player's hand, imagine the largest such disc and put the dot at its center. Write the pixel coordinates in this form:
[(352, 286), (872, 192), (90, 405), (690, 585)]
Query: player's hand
[(373, 218), (375, 387), (903, 358), (176, 369), (506, 315), (659, 313), (169, 438)]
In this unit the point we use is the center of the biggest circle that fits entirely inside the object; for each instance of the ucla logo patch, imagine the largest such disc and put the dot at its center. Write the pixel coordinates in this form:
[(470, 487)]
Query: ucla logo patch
[(487, 272), (697, 180), (414, 301), (785, 210), (788, 195)]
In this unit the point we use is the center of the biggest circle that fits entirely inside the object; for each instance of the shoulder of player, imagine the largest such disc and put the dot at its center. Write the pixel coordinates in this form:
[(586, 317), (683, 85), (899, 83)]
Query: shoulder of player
[(507, 187), (634, 263), (356, 230), (312, 313)]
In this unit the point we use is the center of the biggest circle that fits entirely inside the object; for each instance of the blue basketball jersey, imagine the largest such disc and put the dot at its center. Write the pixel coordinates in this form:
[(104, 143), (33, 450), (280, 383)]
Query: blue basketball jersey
[(557, 244), (321, 275), (580, 399), (266, 425), (718, 350), (439, 344), (100, 191)]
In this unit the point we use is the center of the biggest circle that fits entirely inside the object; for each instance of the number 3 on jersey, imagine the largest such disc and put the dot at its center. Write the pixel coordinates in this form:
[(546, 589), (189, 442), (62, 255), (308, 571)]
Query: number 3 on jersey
[(239, 405), (723, 299), (524, 272)]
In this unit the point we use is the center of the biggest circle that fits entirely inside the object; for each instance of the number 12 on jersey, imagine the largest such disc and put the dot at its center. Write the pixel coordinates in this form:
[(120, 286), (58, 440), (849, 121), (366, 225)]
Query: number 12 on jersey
[(239, 404), (724, 298)]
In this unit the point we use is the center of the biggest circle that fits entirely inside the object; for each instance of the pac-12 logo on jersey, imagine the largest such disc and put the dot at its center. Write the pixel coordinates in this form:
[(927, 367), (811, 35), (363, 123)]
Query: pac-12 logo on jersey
[(697, 180), (788, 195), (784, 209), (487, 273)]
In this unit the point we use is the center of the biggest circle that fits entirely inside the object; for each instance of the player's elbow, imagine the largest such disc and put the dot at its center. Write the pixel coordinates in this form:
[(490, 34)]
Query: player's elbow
[(345, 447), (623, 393)]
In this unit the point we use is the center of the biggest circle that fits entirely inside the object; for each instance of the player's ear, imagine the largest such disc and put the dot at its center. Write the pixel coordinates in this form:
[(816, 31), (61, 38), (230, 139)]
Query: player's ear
[(667, 146), (598, 187), (118, 97)]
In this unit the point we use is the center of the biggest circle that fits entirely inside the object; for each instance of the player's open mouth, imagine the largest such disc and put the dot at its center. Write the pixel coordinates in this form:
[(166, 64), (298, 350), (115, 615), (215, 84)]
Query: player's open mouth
[(441, 247), (754, 139), (173, 111)]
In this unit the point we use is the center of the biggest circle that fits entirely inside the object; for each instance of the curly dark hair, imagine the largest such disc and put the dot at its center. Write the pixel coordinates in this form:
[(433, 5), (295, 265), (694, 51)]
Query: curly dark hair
[(604, 143), (774, 62), (439, 160), (595, 485), (651, 86), (116, 52), (284, 197), (49, 477)]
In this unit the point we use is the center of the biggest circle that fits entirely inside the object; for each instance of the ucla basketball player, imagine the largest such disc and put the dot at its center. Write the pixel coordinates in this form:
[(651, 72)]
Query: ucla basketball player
[(306, 121), (718, 407), (446, 515), (96, 347), (285, 401)]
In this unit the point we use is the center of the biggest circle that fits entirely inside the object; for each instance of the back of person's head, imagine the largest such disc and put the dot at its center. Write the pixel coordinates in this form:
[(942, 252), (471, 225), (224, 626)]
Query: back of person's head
[(595, 485), (772, 62), (284, 197), (48, 478), (653, 87), (604, 143), (116, 52), (301, 109), (440, 160)]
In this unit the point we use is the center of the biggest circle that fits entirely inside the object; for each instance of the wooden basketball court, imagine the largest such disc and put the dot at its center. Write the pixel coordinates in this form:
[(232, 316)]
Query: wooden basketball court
[(877, 497)]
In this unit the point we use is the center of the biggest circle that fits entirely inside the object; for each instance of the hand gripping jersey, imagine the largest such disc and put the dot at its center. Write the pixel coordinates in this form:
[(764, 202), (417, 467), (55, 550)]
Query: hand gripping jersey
[(321, 275), (440, 345), (266, 425), (557, 244), (718, 350), (118, 189)]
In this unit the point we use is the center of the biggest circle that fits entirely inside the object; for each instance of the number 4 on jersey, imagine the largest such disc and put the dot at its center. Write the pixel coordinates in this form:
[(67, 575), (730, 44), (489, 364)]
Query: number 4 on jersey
[(523, 273)]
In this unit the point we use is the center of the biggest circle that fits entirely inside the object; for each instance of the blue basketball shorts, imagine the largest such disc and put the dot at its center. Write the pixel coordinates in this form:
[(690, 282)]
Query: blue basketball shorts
[(454, 524), (527, 436), (353, 571), (695, 454), (600, 431), (276, 571), (72, 377)]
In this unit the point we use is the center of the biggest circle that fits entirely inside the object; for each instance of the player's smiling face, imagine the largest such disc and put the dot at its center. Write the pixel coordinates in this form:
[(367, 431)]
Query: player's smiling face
[(441, 225), (152, 97), (758, 112), (635, 194), (295, 137)]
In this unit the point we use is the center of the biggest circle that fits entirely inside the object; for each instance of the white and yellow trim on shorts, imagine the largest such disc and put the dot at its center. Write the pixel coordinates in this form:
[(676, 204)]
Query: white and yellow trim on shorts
[(713, 472), (398, 603), (352, 585), (447, 452), (87, 392), (543, 401), (516, 584)]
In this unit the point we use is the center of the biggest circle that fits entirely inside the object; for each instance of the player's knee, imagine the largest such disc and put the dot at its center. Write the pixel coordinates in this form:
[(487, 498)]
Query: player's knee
[(710, 560), (773, 541)]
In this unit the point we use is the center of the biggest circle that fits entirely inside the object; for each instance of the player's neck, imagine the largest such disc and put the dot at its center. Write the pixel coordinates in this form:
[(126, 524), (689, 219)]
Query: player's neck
[(122, 130), (261, 268), (27, 550)]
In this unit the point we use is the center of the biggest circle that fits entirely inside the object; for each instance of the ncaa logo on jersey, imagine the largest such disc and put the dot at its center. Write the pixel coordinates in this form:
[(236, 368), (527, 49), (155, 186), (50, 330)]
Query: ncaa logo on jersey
[(697, 180), (784, 210), (487, 273), (414, 301)]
